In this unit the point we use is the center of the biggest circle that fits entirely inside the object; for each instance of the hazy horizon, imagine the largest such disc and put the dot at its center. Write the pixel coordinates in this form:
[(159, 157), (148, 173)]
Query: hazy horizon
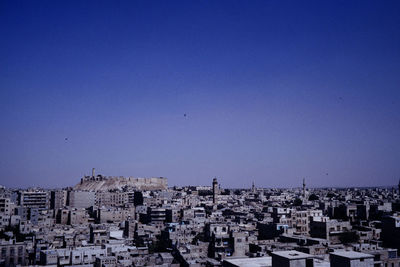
[(270, 91)]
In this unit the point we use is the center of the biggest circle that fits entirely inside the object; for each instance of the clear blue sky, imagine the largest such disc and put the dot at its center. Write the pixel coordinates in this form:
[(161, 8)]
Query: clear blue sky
[(273, 91)]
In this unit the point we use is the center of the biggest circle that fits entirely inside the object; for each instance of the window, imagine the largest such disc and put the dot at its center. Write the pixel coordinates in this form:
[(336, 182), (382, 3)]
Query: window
[(392, 254)]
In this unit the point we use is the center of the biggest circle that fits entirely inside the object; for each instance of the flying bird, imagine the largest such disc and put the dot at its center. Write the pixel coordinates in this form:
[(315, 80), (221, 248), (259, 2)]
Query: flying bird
[(184, 115)]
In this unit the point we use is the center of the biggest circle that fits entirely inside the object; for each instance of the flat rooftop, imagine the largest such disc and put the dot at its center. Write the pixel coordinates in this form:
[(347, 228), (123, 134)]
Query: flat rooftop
[(251, 262), (351, 254), (292, 254)]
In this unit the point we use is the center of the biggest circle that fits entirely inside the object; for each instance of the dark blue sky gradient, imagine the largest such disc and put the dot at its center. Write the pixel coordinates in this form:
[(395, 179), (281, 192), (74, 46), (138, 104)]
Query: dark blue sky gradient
[(273, 91)]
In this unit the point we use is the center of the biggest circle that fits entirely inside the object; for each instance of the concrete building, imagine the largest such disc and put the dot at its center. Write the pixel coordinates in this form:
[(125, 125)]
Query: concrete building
[(12, 253), (391, 231), (383, 257), (109, 215), (351, 259), (114, 199), (129, 228), (6, 206), (291, 258), (244, 262), (58, 199), (62, 216), (157, 215), (331, 230), (173, 215), (34, 199), (82, 199), (108, 261), (75, 256), (4, 221), (99, 234), (300, 220), (78, 217)]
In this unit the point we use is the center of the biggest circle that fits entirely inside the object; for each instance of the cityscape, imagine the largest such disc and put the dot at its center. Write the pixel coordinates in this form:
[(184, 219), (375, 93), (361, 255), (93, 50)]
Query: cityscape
[(200, 133), (127, 221)]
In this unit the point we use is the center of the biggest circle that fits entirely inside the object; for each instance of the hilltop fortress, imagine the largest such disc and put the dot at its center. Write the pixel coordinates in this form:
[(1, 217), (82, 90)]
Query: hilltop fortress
[(106, 183)]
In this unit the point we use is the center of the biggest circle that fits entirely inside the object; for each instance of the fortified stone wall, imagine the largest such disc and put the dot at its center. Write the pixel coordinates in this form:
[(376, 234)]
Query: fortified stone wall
[(102, 183)]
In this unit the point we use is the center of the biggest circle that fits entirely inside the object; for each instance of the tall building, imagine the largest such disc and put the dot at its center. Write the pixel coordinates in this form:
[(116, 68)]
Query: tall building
[(34, 199), (391, 231), (82, 199), (215, 190), (58, 199), (5, 206)]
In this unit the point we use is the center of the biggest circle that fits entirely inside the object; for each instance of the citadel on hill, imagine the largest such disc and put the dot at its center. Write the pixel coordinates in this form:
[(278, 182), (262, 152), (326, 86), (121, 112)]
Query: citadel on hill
[(107, 183)]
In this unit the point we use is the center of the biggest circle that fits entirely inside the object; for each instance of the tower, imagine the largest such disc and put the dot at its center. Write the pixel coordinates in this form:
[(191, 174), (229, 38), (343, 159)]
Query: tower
[(215, 190), (304, 188), (399, 186), (93, 172), (253, 187)]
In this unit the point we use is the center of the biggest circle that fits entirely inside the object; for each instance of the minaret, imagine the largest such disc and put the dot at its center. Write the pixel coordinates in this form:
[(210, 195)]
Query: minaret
[(304, 188), (253, 187), (215, 190), (93, 172), (399, 186)]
